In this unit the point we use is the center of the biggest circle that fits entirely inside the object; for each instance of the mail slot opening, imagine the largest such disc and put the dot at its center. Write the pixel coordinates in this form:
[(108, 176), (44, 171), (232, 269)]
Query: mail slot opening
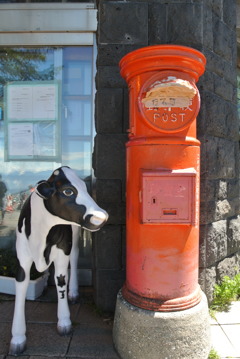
[(169, 212)]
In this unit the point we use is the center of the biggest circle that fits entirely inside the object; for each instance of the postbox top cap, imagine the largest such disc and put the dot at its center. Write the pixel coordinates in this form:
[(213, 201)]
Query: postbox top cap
[(163, 57)]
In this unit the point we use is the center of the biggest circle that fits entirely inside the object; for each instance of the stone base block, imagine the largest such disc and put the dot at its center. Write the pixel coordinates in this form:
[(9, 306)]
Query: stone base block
[(144, 334)]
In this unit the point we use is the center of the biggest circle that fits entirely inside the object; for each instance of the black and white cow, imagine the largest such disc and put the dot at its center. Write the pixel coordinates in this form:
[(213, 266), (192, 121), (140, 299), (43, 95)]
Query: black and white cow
[(46, 229)]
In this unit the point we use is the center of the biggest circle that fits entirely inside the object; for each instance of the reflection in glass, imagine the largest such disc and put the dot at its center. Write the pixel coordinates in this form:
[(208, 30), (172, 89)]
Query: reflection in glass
[(72, 68)]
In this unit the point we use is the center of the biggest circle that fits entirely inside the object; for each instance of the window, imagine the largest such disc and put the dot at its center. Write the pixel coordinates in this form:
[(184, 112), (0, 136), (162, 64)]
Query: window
[(29, 73), (47, 47)]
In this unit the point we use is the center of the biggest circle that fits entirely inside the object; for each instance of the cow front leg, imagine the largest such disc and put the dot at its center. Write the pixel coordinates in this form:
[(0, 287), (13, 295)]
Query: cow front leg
[(18, 341), (73, 292), (64, 325)]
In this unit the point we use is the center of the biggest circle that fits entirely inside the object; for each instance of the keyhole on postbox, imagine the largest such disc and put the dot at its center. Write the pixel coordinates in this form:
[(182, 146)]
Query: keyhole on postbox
[(154, 200)]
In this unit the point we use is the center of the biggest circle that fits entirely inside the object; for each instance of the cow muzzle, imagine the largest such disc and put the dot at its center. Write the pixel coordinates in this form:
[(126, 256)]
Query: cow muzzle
[(99, 218), (94, 221)]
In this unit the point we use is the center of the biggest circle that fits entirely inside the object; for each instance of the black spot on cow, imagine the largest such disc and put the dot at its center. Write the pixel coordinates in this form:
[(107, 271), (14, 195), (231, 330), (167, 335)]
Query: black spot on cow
[(61, 280), (20, 275), (61, 236), (63, 294), (25, 214), (56, 201)]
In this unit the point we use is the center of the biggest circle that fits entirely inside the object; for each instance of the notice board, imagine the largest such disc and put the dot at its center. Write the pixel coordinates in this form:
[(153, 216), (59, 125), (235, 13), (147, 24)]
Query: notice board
[(32, 121)]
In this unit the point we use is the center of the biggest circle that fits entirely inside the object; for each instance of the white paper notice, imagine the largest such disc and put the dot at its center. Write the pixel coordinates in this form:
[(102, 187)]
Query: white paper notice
[(44, 102), (19, 104), (32, 102), (20, 139)]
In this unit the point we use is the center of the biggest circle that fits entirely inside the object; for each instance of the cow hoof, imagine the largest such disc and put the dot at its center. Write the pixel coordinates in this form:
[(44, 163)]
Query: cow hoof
[(64, 330), (73, 298), (17, 348)]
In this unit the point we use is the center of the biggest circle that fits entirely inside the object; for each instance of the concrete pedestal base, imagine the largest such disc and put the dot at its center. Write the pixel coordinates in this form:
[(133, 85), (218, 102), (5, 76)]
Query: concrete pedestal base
[(143, 334)]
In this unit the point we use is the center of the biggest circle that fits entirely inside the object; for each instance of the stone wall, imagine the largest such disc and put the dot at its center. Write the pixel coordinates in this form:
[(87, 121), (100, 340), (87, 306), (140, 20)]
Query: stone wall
[(218, 129), (209, 26)]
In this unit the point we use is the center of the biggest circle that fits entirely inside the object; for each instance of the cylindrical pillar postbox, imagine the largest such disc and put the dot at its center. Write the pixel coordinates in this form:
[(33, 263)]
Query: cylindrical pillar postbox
[(161, 311), (163, 158)]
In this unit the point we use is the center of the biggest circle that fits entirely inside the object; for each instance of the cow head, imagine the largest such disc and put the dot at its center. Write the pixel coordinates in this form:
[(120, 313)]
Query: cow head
[(65, 195)]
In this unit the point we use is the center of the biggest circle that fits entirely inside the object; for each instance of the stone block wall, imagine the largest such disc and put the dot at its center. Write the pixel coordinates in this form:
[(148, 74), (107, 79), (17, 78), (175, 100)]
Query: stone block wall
[(218, 131), (209, 26)]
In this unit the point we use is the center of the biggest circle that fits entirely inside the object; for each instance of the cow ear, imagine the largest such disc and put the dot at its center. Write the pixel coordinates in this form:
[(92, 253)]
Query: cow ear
[(44, 189)]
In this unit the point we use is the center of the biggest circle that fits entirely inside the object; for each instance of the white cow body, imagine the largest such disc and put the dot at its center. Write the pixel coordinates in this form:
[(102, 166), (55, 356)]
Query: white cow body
[(73, 293), (48, 231)]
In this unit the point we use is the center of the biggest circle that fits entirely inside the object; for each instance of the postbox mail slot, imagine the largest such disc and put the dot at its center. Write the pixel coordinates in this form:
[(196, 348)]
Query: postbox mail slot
[(168, 196), (169, 212)]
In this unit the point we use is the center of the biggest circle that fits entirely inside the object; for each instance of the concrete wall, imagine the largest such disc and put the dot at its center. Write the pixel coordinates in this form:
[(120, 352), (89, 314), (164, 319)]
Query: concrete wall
[(209, 26)]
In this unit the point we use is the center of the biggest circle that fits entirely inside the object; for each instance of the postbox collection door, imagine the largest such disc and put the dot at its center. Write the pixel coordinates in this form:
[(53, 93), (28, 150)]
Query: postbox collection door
[(168, 197)]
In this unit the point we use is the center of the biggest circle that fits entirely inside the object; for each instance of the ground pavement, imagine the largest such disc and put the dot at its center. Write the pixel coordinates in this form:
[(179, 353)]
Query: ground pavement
[(92, 331)]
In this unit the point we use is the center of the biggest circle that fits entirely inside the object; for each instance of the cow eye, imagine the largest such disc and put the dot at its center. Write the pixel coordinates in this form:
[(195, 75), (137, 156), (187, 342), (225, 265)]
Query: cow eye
[(68, 192)]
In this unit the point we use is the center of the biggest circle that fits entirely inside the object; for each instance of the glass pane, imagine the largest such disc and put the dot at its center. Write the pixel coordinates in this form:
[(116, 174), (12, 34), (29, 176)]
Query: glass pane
[(71, 68), (78, 115)]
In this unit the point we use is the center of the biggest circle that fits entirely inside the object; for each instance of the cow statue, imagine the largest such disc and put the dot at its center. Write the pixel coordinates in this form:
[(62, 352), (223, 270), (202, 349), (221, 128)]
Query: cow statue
[(47, 223)]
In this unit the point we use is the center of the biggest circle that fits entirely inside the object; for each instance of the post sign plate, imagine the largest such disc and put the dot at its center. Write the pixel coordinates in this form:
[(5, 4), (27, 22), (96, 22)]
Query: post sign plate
[(169, 101)]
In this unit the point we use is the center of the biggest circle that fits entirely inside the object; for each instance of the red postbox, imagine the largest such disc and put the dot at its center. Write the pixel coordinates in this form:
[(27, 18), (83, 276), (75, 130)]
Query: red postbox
[(163, 159)]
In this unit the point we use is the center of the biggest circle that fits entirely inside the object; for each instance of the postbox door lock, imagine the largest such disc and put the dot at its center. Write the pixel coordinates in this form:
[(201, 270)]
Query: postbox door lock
[(154, 200), (168, 196)]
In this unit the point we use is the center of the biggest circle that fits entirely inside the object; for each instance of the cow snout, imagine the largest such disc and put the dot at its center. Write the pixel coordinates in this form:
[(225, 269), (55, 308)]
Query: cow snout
[(99, 218), (94, 220)]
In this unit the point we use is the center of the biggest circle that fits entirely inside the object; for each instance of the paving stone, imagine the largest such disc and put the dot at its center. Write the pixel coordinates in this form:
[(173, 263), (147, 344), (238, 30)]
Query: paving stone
[(5, 337), (43, 339), (87, 314), (43, 313), (221, 343), (6, 311), (93, 342), (92, 333), (231, 316), (232, 332)]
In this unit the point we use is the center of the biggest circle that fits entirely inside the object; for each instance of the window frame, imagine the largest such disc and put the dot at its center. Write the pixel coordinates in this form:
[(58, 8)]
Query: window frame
[(71, 24), (46, 24)]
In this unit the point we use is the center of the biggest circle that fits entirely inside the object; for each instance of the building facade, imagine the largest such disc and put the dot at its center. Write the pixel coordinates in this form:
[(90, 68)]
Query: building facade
[(109, 30), (209, 26)]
